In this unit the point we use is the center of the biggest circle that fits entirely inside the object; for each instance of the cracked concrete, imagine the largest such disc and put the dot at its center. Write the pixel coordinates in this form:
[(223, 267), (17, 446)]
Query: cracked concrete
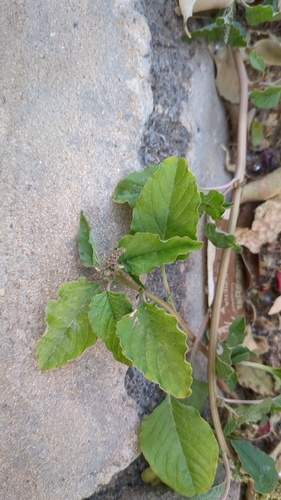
[(90, 91)]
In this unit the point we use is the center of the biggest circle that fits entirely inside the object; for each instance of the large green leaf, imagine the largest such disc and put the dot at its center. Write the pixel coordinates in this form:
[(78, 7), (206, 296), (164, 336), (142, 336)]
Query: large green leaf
[(129, 189), (146, 251), (104, 311), (169, 201), (258, 464), (86, 244), (69, 332), (180, 447), (151, 340)]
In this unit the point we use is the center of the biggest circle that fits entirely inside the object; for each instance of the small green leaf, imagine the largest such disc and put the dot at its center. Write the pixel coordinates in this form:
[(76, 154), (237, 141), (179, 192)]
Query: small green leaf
[(212, 32), (260, 14), (266, 99), (180, 447), (229, 427), (150, 338), (256, 133), (198, 396), (253, 413), (214, 493), (237, 36), (236, 332), (169, 201), (220, 239), (69, 332), (146, 251), (104, 311), (256, 61), (232, 381), (212, 204), (129, 189), (276, 405), (258, 464), (86, 244), (240, 353), (223, 363)]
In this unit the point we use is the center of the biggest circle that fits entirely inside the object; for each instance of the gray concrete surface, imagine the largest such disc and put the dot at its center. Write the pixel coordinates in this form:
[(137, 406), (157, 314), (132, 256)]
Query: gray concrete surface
[(90, 90)]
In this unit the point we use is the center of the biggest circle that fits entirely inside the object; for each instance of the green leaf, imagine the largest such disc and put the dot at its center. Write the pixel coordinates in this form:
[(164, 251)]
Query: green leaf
[(256, 61), (86, 244), (168, 204), (260, 466), (223, 363), (212, 204), (214, 493), (150, 338), (198, 396), (236, 332), (129, 189), (260, 14), (240, 353), (256, 133), (105, 310), (276, 405), (237, 36), (146, 251), (229, 427), (212, 32), (220, 239), (232, 381), (69, 332), (253, 413), (180, 447), (266, 99)]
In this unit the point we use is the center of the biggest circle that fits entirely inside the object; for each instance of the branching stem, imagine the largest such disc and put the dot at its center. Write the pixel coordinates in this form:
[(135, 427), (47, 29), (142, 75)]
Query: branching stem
[(239, 174)]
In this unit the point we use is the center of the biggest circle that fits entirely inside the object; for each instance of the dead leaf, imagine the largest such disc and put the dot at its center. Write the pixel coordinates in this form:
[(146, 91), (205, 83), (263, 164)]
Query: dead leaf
[(259, 347), (270, 51), (186, 8), (257, 380), (276, 308), (227, 80), (263, 189), (265, 227)]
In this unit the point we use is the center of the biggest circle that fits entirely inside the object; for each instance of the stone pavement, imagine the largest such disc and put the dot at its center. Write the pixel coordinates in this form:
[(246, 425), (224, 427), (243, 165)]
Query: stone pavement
[(90, 91)]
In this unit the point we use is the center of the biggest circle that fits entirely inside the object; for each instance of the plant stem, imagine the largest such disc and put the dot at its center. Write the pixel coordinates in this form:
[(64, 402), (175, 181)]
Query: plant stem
[(227, 474), (243, 401), (198, 337), (166, 285), (239, 174)]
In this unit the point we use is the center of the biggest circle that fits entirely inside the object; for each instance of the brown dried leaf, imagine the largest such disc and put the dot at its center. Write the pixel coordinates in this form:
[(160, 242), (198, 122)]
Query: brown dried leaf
[(227, 80), (186, 8), (263, 189), (259, 347), (257, 380), (276, 308), (265, 227), (269, 50)]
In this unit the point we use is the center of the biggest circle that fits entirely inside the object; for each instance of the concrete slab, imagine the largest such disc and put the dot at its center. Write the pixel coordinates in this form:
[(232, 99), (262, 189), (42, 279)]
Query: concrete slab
[(91, 90), (75, 98)]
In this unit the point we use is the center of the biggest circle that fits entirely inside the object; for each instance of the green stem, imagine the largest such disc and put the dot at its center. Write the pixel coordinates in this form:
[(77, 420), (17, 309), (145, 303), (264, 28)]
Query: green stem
[(239, 174), (198, 337), (166, 285), (258, 366)]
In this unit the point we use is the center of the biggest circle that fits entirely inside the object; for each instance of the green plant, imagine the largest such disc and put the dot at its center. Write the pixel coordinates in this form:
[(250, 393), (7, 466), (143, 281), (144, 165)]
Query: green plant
[(179, 445), (182, 449)]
